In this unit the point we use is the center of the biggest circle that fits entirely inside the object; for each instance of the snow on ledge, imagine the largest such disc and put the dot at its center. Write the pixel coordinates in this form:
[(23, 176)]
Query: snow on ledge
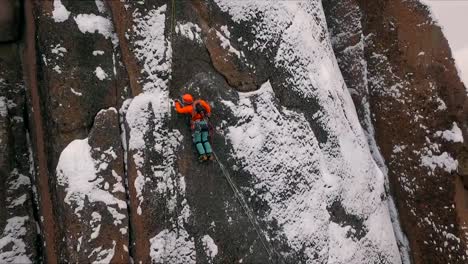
[(453, 135), (91, 23), (75, 169)]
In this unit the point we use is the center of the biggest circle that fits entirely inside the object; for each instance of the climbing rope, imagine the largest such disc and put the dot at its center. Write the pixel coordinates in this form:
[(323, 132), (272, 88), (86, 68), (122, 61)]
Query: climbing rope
[(166, 193), (173, 20), (250, 215)]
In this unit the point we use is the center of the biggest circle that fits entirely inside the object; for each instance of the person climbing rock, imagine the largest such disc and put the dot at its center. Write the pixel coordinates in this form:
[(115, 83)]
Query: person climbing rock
[(200, 111)]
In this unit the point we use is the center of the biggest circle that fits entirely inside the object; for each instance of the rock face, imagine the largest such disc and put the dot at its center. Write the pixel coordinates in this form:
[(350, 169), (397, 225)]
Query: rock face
[(80, 67), (90, 181), (321, 112), (419, 109)]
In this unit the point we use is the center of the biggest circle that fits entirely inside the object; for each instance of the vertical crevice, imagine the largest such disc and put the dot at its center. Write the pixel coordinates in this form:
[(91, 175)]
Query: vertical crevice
[(29, 169), (29, 57), (39, 240), (121, 23)]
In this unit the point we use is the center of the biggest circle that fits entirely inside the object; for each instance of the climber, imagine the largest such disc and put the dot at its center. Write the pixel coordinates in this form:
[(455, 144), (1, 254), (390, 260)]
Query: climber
[(200, 111)]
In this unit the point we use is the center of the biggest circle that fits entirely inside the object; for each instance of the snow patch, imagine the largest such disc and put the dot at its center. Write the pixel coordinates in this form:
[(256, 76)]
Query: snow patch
[(100, 6), (95, 225), (190, 31), (60, 13), (98, 52), (100, 73), (443, 161), (79, 243), (20, 180), (59, 50), (226, 44), (442, 106), (18, 201), (75, 92), (91, 23), (12, 246), (172, 247), (57, 69), (3, 107), (453, 135), (103, 255), (152, 49), (210, 247), (225, 31)]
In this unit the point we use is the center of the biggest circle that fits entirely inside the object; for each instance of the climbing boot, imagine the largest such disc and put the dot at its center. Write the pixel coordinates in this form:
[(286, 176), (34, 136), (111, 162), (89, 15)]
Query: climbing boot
[(210, 156), (202, 158)]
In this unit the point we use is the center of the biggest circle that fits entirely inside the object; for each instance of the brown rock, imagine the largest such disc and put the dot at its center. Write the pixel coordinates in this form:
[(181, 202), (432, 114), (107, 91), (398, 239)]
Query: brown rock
[(76, 74), (411, 72), (228, 64), (225, 62), (95, 210)]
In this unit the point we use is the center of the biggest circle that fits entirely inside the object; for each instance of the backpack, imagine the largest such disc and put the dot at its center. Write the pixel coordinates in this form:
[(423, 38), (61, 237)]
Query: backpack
[(198, 109)]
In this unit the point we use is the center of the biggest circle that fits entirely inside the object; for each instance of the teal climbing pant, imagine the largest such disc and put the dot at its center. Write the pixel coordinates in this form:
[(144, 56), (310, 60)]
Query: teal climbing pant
[(200, 137)]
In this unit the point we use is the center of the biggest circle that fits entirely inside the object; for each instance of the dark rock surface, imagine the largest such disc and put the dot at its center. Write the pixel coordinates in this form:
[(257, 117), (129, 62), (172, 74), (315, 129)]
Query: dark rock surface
[(306, 102), (19, 239), (10, 20)]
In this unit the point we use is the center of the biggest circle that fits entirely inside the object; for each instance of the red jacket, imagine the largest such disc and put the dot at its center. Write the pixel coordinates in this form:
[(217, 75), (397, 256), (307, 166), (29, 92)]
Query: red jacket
[(188, 109)]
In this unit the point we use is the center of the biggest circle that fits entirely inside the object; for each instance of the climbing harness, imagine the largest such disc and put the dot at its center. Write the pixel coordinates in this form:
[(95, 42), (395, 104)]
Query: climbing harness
[(250, 215), (198, 110)]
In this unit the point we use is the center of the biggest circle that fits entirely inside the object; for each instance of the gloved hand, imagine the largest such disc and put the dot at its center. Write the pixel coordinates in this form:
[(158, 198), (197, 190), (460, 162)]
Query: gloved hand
[(176, 101)]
